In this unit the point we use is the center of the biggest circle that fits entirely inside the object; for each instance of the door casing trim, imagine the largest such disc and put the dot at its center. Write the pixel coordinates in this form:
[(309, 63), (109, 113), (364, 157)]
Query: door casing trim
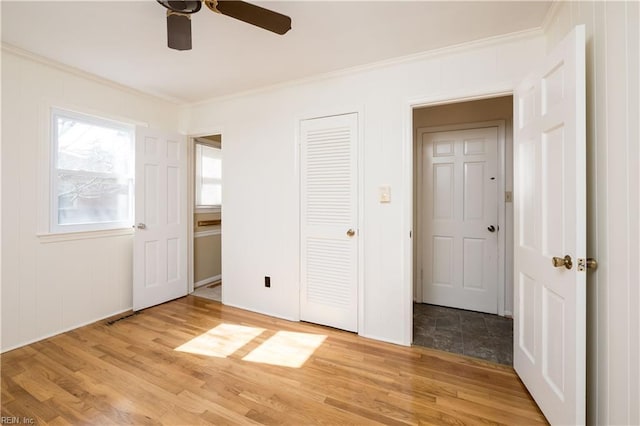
[(491, 91), (191, 197)]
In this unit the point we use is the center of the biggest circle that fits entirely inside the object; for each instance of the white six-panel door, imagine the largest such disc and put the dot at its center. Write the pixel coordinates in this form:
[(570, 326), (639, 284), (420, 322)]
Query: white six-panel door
[(160, 242), (328, 221), (550, 221), (459, 218)]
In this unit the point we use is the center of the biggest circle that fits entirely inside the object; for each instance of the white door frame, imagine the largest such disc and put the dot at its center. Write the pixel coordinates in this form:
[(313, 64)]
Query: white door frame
[(501, 184), (408, 185), (191, 201)]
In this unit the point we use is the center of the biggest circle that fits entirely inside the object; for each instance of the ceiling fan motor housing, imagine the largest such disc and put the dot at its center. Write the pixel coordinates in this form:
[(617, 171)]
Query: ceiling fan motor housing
[(187, 7)]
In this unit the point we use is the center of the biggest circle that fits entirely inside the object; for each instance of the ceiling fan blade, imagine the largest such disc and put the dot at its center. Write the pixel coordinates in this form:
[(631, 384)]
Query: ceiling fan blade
[(252, 14), (178, 31)]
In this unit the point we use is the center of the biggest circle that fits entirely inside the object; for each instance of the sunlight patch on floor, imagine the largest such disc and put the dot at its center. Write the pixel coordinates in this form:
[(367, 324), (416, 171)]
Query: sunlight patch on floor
[(221, 341), (286, 349)]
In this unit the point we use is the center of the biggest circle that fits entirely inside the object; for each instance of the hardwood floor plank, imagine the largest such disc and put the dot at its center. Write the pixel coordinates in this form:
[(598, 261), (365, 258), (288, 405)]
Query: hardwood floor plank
[(363, 412), (515, 407), (502, 415), (24, 404), (242, 371), (59, 421), (114, 404)]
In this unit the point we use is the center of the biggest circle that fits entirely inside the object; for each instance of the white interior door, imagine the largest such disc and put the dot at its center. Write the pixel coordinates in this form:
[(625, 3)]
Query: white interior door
[(459, 218), (160, 242), (550, 221), (328, 221)]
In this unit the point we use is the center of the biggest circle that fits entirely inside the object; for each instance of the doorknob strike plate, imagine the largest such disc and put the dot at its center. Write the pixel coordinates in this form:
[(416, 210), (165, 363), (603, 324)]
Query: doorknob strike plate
[(588, 263)]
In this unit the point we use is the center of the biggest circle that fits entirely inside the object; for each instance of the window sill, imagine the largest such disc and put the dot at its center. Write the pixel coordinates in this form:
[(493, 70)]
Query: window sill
[(200, 210), (83, 235), (208, 233)]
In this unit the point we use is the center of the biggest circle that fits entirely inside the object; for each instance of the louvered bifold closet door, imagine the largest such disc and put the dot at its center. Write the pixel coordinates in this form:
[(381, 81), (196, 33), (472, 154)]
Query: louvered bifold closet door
[(329, 232)]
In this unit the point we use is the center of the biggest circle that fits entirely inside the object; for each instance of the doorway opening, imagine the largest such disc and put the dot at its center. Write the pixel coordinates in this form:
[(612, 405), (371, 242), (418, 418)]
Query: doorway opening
[(463, 222), (207, 216)]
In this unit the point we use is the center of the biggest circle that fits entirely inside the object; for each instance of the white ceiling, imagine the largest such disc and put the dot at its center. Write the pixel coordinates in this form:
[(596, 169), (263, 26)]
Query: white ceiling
[(125, 41)]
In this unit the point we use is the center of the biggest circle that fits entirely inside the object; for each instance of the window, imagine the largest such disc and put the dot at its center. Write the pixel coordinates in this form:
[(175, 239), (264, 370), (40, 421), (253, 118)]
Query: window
[(92, 173), (208, 176)]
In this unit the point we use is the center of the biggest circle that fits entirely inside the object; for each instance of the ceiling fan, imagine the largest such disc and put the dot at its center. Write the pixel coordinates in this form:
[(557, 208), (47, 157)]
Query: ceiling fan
[(179, 18)]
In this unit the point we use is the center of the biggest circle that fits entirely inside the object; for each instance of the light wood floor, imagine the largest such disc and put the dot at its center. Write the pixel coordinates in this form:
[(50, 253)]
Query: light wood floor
[(131, 373)]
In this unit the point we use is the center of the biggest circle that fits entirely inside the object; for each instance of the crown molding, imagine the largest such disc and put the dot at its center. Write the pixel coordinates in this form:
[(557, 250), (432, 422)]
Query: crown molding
[(34, 57), (429, 54), (551, 14)]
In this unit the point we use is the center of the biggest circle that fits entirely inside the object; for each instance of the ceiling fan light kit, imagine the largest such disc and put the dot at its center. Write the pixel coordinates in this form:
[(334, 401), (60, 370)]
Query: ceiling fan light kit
[(179, 19)]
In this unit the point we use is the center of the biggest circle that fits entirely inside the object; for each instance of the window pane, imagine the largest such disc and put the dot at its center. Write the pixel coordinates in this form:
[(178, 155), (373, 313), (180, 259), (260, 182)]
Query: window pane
[(86, 199), (93, 173), (90, 147), (211, 163), (211, 194), (208, 176)]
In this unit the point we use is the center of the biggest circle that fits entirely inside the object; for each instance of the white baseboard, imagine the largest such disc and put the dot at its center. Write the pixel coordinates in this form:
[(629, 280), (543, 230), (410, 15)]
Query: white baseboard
[(207, 281), (63, 330)]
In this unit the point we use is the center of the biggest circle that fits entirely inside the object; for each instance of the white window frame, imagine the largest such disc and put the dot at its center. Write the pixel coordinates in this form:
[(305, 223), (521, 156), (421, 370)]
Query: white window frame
[(204, 208), (54, 226)]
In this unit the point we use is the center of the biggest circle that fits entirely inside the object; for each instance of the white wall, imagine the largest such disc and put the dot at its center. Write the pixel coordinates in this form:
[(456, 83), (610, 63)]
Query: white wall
[(260, 173), (613, 156), (49, 286)]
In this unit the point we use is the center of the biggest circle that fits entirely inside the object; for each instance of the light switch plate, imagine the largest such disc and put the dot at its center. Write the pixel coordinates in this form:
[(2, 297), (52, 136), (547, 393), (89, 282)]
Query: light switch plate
[(384, 193)]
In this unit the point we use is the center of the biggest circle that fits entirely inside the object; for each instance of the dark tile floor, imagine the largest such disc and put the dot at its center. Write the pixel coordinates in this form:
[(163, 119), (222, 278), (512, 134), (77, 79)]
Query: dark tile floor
[(485, 336)]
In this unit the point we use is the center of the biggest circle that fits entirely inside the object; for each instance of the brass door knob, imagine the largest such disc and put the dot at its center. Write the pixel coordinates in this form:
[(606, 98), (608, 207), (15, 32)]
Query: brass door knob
[(351, 233), (559, 262)]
